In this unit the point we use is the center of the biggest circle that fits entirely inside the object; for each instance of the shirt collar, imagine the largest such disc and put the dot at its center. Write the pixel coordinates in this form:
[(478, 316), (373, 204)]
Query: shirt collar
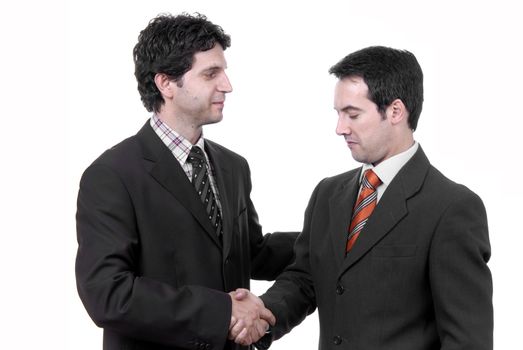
[(390, 167), (179, 146)]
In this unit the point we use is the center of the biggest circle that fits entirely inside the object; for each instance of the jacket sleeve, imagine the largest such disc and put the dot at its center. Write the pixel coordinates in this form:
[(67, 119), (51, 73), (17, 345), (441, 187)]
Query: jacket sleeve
[(119, 299), (272, 252), (460, 280), (292, 297)]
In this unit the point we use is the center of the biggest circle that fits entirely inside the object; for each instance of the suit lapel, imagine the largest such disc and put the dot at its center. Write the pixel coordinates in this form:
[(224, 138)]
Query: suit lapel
[(340, 211), (388, 212), (165, 169), (225, 183), (391, 208)]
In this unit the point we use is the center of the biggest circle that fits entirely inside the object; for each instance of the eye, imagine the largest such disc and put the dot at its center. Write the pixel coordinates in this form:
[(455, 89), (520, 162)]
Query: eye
[(353, 116), (210, 74)]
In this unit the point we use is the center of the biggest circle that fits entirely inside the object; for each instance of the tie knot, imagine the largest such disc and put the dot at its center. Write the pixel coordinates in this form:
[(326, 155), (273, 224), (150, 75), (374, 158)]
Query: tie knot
[(370, 179), (196, 155)]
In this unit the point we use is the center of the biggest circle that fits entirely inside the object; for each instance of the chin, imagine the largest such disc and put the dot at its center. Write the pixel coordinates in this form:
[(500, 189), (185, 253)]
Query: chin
[(215, 119), (358, 157)]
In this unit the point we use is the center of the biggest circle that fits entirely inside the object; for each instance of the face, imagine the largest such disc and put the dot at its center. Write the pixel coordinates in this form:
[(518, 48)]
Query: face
[(368, 133), (200, 96)]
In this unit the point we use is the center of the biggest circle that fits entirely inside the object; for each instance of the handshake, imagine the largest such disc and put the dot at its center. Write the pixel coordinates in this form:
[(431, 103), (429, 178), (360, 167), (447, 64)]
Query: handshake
[(250, 319)]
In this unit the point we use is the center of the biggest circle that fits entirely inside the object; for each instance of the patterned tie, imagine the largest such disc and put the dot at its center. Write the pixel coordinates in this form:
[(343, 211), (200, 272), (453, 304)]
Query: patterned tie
[(200, 181), (364, 206)]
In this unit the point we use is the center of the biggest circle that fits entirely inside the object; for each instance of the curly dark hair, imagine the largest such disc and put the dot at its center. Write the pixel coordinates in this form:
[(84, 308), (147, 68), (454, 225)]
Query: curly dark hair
[(389, 74), (167, 45)]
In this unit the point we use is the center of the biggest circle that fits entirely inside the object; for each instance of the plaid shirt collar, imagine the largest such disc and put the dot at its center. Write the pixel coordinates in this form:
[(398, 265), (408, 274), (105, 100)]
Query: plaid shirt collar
[(179, 146)]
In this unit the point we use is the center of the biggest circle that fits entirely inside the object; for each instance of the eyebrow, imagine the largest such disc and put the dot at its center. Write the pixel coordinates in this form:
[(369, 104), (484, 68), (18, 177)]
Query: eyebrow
[(214, 67), (211, 69), (350, 108)]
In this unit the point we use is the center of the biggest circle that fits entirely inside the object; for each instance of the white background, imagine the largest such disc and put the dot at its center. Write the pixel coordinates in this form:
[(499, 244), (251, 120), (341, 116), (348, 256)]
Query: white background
[(68, 93)]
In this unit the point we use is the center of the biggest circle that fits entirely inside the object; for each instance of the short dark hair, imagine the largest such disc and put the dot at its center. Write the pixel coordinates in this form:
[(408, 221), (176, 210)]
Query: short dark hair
[(389, 74), (167, 45)]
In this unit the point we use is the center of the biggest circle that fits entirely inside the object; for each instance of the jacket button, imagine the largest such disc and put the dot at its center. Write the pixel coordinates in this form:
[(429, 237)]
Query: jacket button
[(336, 340), (339, 289)]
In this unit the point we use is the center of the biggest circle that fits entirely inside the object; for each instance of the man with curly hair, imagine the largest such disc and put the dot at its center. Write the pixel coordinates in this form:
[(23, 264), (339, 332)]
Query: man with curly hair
[(166, 227)]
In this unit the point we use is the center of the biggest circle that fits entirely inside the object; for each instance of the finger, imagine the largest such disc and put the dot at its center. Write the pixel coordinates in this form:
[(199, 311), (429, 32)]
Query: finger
[(230, 335), (267, 315), (257, 331), (248, 340), (242, 337), (237, 329), (233, 322), (261, 327)]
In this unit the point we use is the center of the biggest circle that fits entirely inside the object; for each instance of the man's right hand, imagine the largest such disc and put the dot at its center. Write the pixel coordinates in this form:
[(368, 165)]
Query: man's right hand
[(250, 319)]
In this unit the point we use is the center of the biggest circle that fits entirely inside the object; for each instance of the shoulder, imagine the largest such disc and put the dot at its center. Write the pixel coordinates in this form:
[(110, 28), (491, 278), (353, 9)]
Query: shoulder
[(124, 153), (336, 184), (446, 194), (223, 153), (342, 179), (118, 161), (437, 181)]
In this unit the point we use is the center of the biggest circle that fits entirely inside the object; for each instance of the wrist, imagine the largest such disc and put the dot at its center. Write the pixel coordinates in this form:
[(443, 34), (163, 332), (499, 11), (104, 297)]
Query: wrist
[(266, 341)]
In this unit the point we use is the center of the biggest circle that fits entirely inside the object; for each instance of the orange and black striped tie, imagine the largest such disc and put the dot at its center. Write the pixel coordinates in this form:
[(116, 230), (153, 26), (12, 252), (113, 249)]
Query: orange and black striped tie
[(365, 204)]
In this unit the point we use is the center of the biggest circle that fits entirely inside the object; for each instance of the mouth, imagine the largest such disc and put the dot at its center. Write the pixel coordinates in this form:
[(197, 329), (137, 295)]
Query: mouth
[(350, 143)]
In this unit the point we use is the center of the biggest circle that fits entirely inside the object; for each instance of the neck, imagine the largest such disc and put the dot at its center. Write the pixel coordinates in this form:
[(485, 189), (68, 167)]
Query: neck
[(406, 143), (189, 131)]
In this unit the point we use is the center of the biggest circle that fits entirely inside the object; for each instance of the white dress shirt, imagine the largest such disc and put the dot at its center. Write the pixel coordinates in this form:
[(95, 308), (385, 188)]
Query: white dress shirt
[(390, 167)]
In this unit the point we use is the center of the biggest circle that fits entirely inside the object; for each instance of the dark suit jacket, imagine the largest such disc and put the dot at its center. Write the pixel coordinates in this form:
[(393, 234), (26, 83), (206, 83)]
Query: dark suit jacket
[(150, 268), (417, 278)]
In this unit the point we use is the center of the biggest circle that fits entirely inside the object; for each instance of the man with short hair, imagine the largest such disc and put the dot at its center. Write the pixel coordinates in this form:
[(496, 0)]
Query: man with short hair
[(393, 253), (166, 227)]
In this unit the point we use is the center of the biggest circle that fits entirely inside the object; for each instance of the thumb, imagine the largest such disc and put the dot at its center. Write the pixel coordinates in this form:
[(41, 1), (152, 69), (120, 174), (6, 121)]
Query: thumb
[(267, 315), (240, 294)]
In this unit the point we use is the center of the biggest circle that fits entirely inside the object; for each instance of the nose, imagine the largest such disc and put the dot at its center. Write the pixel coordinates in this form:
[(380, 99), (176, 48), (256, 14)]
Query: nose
[(225, 84), (342, 128)]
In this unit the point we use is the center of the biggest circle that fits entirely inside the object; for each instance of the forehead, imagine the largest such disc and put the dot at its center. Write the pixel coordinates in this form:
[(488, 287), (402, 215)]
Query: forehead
[(352, 84), (350, 90), (213, 58)]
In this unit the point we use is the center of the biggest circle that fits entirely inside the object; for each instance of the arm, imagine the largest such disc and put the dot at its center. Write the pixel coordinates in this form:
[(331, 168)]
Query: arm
[(292, 297), (460, 280), (115, 295)]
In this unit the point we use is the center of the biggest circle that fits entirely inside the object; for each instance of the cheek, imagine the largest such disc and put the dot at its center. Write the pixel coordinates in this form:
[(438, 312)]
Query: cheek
[(371, 136), (186, 97), (364, 132), (381, 137)]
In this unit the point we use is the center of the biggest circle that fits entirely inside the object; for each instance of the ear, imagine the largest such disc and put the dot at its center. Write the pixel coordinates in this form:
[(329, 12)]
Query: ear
[(164, 85), (397, 112)]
